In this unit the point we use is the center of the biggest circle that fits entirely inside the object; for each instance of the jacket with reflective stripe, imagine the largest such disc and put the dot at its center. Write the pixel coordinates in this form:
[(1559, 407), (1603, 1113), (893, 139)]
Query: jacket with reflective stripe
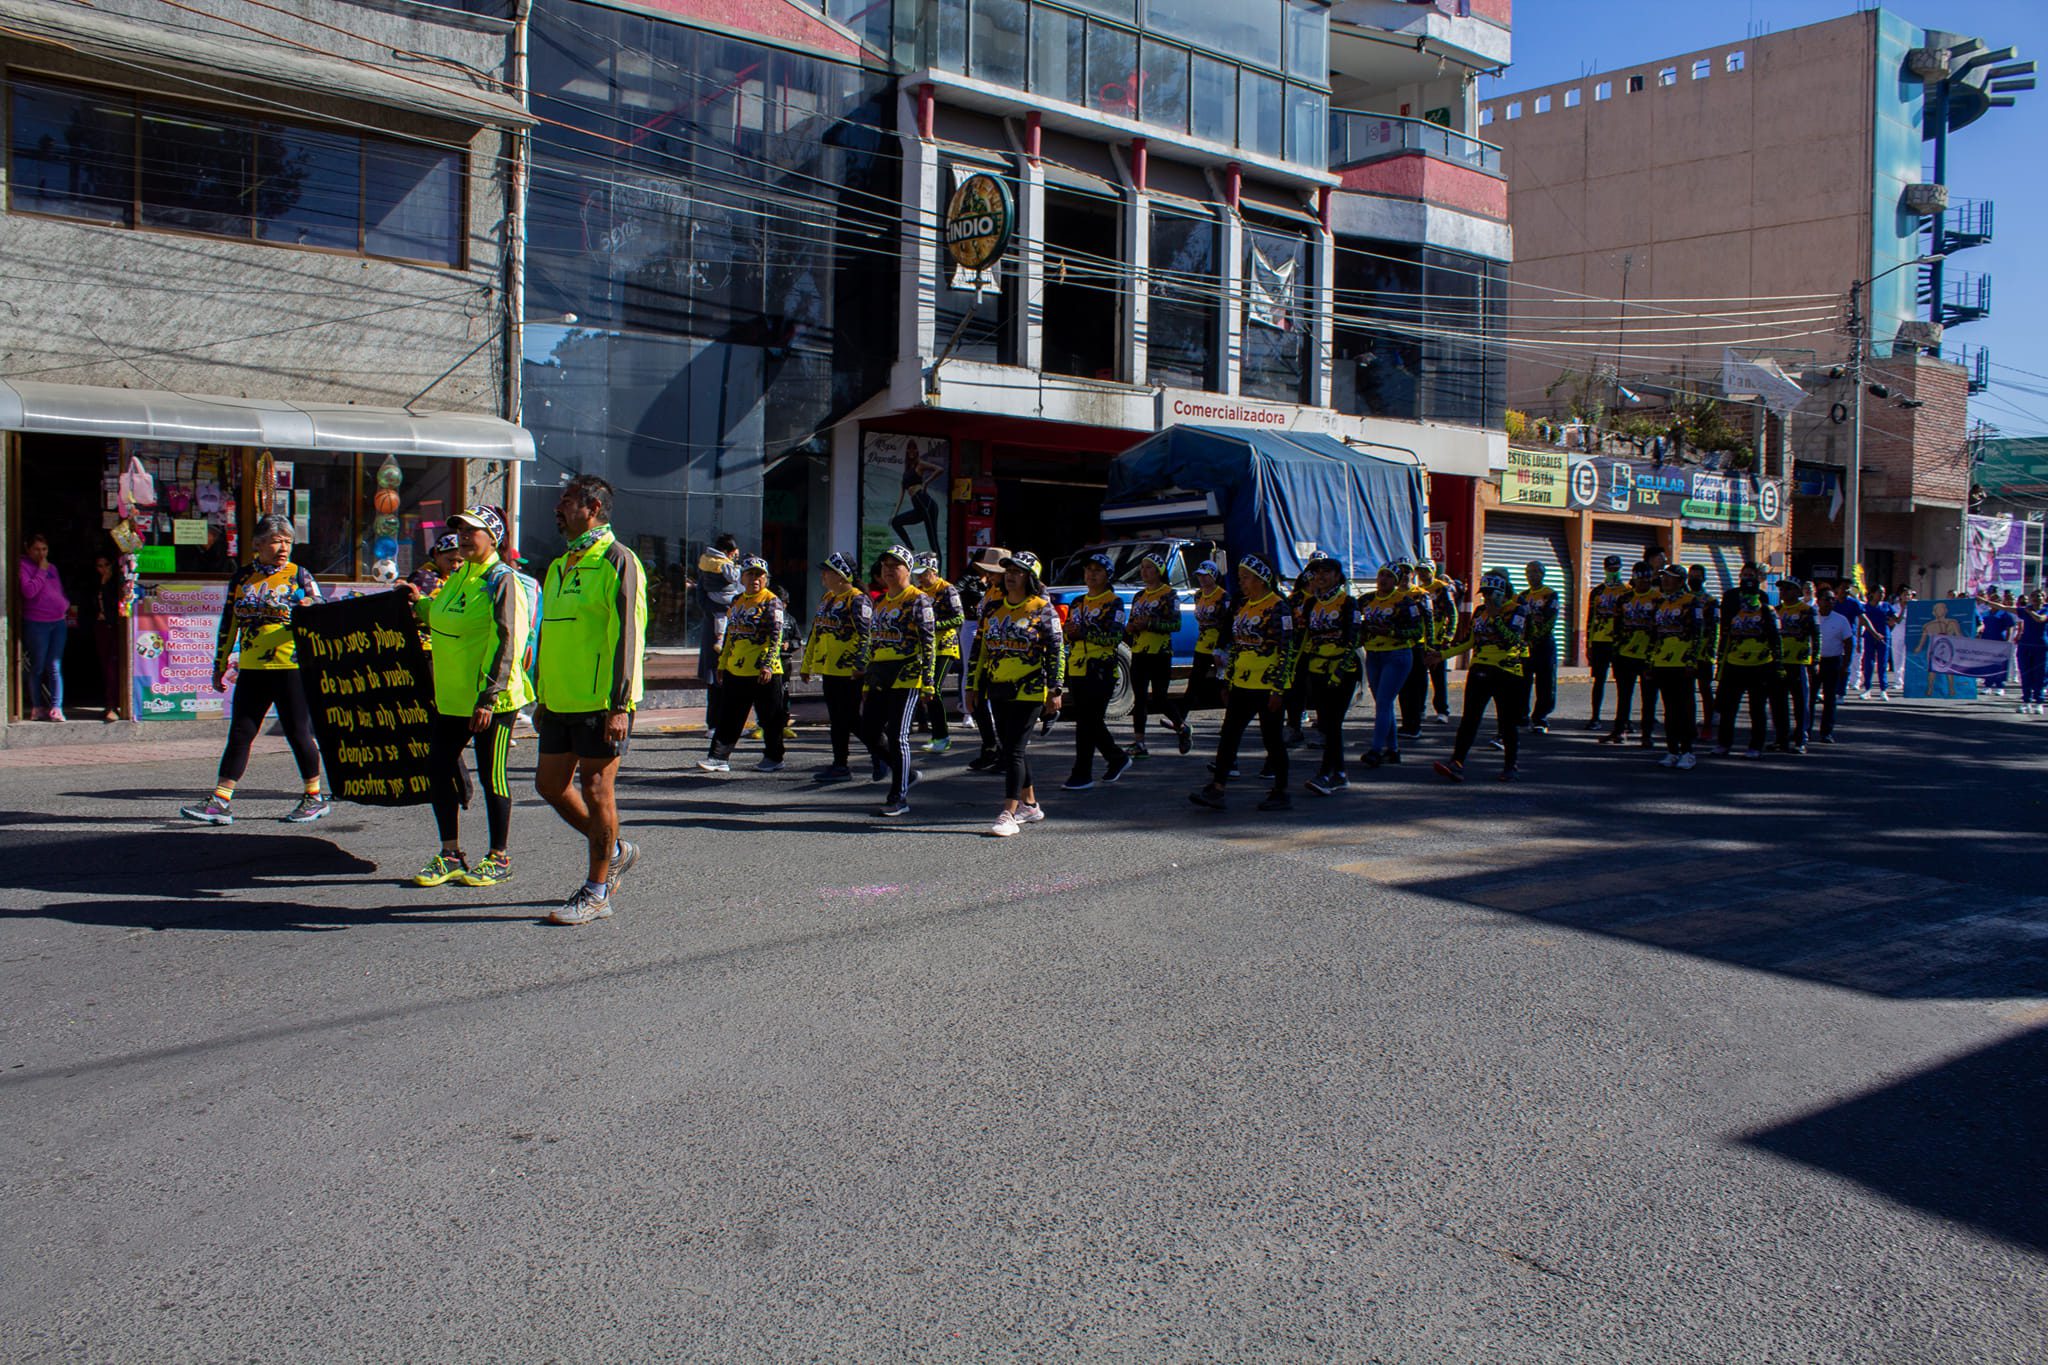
[(479, 621), (593, 631)]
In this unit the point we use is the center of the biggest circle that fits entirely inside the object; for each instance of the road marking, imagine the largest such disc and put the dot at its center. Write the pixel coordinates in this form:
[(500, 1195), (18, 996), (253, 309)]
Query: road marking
[(1451, 864)]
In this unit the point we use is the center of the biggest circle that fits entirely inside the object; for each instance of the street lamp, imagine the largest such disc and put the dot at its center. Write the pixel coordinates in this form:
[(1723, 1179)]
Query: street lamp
[(1852, 523)]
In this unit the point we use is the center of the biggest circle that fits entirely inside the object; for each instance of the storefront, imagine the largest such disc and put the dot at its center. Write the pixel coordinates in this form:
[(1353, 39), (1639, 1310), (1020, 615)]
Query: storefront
[(1721, 553), (367, 488)]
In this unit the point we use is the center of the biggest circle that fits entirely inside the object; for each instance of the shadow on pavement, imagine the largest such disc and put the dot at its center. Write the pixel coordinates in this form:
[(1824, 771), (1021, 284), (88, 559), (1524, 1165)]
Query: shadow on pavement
[(1962, 1140)]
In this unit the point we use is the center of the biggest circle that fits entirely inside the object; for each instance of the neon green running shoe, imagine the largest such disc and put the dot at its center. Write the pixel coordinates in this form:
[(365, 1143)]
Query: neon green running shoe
[(495, 868), (442, 867)]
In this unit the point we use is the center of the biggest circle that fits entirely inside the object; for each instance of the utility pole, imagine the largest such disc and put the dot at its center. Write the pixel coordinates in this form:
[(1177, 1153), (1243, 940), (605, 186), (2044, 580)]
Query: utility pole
[(1628, 261), (1852, 493)]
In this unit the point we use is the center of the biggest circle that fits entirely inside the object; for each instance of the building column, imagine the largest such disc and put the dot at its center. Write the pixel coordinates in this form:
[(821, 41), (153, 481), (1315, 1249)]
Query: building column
[(844, 476), (1028, 242), (1133, 359), (1322, 300), (923, 204), (1230, 282)]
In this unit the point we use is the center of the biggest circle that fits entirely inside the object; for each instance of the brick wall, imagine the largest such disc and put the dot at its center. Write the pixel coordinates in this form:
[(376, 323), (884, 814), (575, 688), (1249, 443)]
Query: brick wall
[(1917, 455)]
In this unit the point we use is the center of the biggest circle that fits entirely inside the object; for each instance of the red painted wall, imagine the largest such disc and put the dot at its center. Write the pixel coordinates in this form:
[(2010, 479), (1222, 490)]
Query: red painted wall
[(1413, 175), (780, 22)]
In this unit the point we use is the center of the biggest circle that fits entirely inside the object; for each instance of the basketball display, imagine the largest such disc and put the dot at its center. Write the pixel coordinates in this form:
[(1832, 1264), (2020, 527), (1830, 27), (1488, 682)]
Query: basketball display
[(387, 500)]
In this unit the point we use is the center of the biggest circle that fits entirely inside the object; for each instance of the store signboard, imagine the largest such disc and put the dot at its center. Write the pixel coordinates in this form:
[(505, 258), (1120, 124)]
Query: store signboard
[(1536, 478), (1712, 498), (1995, 554), (175, 625)]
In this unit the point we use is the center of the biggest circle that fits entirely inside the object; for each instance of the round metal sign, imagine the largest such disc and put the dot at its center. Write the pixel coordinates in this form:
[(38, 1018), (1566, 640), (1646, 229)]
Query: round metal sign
[(978, 222)]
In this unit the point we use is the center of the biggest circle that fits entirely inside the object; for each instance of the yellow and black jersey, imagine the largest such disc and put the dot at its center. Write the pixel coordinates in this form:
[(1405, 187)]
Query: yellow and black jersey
[(1798, 633), (256, 622), (1542, 604), (1638, 624), (1675, 637), (904, 655), (1498, 637), (1019, 652), (947, 618), (1603, 613), (1262, 646), (1212, 619), (1749, 630), (1444, 612), (1329, 642), (754, 625), (1154, 620), (1095, 627), (1401, 619), (841, 630)]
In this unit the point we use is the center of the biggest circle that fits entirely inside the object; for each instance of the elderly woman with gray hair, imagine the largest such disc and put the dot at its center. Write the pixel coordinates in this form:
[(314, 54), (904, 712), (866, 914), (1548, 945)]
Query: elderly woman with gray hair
[(256, 633)]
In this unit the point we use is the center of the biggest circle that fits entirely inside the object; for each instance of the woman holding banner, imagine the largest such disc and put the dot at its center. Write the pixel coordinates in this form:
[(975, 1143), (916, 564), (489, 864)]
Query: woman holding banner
[(479, 620), (256, 632)]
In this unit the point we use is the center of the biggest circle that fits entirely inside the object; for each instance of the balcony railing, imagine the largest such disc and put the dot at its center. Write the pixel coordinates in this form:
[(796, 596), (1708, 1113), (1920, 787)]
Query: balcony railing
[(1357, 137)]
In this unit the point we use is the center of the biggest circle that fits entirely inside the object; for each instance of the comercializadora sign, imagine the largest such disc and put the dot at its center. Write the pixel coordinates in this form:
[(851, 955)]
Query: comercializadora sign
[(979, 219), (1604, 484)]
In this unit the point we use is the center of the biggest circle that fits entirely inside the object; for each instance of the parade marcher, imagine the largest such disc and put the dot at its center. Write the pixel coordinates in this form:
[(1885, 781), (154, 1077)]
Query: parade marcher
[(1837, 640), (1877, 646), (948, 615), (2032, 652), (1710, 637), (750, 668), (1603, 628), (1424, 676), (1849, 606), (1543, 608), (1749, 662), (1674, 664), (902, 668), (256, 634), (1395, 625), (47, 617), (1018, 666), (1155, 618), (1094, 629), (988, 571), (1329, 659), (442, 560), (837, 655), (1499, 643), (479, 619), (587, 685), (1257, 670), (1995, 621), (1296, 709), (1632, 657), (1212, 630), (1798, 649)]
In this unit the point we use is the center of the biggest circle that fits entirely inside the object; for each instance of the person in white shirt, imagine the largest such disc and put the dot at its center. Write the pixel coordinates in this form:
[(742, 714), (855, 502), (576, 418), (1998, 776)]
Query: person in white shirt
[(1837, 639)]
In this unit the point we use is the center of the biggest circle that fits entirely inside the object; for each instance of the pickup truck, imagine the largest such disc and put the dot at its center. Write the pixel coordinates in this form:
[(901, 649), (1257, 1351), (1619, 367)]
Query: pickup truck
[(1182, 555)]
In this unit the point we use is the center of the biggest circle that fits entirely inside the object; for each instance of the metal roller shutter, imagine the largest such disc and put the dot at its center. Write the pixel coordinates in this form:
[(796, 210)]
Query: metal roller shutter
[(1619, 538), (1512, 541), (1719, 552)]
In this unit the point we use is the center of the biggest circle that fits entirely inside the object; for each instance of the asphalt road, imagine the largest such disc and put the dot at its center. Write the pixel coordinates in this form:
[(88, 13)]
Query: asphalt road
[(1611, 1064)]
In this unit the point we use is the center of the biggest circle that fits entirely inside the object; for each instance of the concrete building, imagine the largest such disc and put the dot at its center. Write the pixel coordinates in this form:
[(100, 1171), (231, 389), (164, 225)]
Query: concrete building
[(1729, 204), (245, 242), (739, 308)]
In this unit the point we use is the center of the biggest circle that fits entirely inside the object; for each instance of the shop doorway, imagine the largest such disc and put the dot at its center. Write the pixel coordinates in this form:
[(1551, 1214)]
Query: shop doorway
[(59, 494), (1047, 501)]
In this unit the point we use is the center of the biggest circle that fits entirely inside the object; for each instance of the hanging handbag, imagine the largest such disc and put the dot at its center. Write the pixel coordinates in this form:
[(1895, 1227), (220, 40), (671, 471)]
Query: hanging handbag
[(138, 489)]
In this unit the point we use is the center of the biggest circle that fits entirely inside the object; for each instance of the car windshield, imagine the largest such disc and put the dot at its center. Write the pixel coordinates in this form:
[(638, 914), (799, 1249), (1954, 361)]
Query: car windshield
[(1127, 554)]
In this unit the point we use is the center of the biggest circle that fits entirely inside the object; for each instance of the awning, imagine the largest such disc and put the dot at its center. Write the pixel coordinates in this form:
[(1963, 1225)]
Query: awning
[(209, 48), (153, 415)]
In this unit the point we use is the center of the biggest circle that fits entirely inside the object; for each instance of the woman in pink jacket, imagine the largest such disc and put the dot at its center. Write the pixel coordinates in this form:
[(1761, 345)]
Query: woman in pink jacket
[(46, 617)]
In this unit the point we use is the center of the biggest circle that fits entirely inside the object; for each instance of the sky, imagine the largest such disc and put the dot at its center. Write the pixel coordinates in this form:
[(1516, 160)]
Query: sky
[(1998, 157)]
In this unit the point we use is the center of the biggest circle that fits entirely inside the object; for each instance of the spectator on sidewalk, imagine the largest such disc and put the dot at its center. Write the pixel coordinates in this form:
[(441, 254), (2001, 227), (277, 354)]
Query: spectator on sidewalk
[(1837, 636)]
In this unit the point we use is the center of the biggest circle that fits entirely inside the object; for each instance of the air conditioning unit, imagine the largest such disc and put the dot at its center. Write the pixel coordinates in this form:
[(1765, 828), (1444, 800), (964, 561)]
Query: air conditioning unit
[(1928, 64), (1926, 200), (1919, 335)]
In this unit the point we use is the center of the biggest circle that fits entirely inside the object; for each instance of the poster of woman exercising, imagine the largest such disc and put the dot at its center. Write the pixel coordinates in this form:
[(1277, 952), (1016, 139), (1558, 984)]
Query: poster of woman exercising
[(903, 489)]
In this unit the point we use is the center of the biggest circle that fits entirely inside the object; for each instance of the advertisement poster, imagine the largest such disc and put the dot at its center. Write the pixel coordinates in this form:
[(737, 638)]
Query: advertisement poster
[(369, 681), (175, 625), (1995, 553), (1715, 499), (1536, 478), (903, 485), (1935, 632)]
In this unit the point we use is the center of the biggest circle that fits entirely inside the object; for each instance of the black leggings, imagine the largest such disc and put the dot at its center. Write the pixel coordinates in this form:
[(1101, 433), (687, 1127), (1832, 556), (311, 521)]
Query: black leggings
[(1333, 694), (1014, 722), (933, 708), (1239, 707), (1600, 655), (1681, 727), (1486, 683), (767, 700), (257, 690), (842, 712), (1151, 684), (1088, 700), (1628, 673), (1202, 689), (493, 750), (1756, 681), (921, 512)]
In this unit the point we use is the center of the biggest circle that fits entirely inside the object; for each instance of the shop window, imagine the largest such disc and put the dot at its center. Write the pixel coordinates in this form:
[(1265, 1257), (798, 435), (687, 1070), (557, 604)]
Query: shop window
[(195, 527), (1083, 285), (1571, 98), (348, 517), (1184, 309), (1275, 344), (71, 153), (107, 157)]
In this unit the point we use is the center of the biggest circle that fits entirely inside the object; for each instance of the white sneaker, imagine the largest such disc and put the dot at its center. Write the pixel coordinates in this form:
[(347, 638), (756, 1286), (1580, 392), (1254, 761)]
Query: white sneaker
[(713, 765), (1668, 761), (1030, 815), (1866, 695), (1886, 696), (1686, 763), (1005, 825)]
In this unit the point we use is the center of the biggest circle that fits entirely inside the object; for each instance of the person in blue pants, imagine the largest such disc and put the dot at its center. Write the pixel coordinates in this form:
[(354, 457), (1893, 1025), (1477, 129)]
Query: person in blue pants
[(1393, 624)]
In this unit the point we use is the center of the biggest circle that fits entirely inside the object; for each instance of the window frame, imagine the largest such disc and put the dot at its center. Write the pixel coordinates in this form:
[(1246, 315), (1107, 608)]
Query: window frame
[(1573, 97), (1603, 91), (139, 100)]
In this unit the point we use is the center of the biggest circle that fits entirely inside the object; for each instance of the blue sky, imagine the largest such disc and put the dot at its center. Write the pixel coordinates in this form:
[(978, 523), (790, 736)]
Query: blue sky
[(1998, 157)]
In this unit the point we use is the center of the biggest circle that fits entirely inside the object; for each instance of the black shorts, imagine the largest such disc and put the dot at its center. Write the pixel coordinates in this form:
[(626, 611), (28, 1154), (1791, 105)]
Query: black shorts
[(579, 732)]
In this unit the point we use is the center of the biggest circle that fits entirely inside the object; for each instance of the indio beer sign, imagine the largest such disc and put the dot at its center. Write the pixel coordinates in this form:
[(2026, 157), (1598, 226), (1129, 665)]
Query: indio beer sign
[(978, 222)]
